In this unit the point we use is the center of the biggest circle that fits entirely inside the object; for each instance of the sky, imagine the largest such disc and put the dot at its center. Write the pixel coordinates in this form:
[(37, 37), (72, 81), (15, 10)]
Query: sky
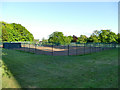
[(71, 18)]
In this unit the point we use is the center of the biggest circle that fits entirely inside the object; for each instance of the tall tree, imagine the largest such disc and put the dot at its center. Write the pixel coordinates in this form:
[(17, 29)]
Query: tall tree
[(15, 32), (67, 40), (108, 36), (82, 39), (58, 38), (104, 36), (112, 37), (71, 38), (95, 37)]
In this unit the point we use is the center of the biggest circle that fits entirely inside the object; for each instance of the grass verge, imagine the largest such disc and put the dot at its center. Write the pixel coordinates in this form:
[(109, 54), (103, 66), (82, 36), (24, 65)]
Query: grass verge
[(97, 70)]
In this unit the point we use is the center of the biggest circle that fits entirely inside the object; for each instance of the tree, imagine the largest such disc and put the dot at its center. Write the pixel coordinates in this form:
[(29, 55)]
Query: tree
[(71, 38), (108, 36), (96, 33), (58, 38), (67, 40), (82, 39), (118, 38), (95, 37), (4, 34), (15, 32), (112, 37), (104, 36), (44, 41)]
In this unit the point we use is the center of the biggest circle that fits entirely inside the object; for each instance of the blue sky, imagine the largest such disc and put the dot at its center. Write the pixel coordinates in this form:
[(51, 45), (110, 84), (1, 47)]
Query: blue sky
[(71, 18)]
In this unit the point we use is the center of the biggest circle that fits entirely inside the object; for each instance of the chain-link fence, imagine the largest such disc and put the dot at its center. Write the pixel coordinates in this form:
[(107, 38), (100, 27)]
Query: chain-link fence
[(71, 49)]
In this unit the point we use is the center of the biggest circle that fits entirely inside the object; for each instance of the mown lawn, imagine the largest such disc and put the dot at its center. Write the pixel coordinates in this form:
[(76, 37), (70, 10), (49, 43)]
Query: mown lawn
[(96, 70)]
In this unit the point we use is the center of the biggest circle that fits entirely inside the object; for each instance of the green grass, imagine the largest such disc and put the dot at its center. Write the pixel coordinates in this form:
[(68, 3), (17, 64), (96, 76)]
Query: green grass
[(97, 70)]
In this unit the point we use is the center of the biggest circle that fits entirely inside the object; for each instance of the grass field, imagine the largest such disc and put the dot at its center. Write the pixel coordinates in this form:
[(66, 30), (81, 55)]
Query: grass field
[(96, 70)]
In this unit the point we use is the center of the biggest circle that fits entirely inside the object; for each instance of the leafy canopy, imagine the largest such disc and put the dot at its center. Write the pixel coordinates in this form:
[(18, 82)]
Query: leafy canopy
[(58, 38), (15, 32)]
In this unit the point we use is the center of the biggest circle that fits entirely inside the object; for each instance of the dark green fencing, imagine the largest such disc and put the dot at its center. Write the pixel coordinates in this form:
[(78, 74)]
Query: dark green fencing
[(71, 49), (11, 45)]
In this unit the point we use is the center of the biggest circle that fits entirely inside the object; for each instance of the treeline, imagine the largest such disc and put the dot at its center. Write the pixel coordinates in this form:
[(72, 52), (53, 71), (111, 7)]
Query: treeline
[(15, 32), (102, 36)]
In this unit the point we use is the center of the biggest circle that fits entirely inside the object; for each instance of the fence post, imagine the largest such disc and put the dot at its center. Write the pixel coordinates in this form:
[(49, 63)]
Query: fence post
[(52, 50), (68, 50), (24, 46), (64, 48), (115, 45), (99, 48), (95, 48), (35, 48), (104, 46), (76, 48), (90, 48), (84, 48), (109, 45), (29, 47)]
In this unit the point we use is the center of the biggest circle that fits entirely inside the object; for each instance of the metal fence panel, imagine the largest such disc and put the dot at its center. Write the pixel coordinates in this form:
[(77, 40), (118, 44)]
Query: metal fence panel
[(56, 49)]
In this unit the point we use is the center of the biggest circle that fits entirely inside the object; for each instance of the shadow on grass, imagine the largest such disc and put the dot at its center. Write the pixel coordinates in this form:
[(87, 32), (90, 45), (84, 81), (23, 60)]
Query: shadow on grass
[(8, 78)]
